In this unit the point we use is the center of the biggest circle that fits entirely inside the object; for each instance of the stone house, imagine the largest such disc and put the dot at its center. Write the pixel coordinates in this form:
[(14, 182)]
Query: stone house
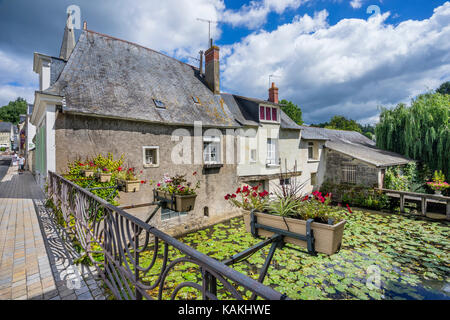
[(343, 157), (268, 143), (107, 95)]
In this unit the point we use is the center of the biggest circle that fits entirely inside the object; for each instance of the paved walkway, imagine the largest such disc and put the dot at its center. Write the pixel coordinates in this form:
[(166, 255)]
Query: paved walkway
[(36, 263)]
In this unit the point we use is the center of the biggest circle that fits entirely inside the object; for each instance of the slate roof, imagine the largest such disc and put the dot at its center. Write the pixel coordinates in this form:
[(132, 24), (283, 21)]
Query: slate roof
[(110, 77), (246, 111), (354, 144), (56, 69), (5, 126)]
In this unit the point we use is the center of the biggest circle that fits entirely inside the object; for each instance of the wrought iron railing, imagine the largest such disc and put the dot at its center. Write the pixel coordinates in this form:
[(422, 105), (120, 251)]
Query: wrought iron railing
[(115, 242)]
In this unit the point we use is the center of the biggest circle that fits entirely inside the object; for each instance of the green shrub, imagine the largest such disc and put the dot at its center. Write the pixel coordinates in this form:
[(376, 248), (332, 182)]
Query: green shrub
[(356, 195)]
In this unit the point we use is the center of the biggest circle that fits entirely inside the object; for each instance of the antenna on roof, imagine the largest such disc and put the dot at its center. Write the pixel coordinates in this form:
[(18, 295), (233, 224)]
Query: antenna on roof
[(209, 28), (273, 76)]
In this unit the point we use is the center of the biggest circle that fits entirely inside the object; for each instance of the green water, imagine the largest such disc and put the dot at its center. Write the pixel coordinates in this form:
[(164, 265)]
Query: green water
[(410, 256)]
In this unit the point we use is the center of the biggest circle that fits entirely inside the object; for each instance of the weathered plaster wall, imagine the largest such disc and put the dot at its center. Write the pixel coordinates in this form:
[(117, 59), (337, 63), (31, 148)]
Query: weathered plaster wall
[(309, 166), (79, 137)]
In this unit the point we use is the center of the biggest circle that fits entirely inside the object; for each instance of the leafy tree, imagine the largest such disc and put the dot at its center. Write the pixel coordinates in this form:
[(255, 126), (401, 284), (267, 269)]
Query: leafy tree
[(420, 131), (292, 110), (12, 111), (444, 88), (340, 123), (368, 135)]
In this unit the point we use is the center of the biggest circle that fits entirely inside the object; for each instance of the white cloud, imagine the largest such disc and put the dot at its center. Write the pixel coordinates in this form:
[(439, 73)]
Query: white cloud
[(349, 68), (16, 78), (255, 14), (356, 4)]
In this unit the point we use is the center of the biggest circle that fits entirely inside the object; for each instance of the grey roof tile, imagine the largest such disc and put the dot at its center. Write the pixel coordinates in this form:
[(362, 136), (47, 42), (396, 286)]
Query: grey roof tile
[(5, 126), (246, 111), (111, 77), (354, 144)]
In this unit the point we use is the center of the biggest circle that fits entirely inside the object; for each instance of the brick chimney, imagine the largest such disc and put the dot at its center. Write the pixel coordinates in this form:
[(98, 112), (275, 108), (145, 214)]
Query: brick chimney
[(212, 70), (273, 93)]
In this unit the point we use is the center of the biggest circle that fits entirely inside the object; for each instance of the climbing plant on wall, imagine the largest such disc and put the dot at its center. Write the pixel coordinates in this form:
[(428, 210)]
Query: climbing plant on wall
[(420, 131)]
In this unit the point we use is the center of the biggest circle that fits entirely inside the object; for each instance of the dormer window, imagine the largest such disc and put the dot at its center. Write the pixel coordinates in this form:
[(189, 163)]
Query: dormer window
[(159, 104), (268, 114)]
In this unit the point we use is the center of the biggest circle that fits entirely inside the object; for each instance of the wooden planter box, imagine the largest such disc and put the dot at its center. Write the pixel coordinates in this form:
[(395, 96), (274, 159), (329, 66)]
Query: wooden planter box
[(129, 185), (88, 173), (327, 237), (103, 177), (181, 203)]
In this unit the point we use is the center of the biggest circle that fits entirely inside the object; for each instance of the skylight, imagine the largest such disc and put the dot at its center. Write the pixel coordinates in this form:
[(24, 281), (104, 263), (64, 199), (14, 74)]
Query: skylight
[(159, 104)]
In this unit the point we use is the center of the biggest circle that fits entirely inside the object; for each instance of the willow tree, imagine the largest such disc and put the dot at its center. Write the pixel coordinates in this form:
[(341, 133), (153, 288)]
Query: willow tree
[(420, 131)]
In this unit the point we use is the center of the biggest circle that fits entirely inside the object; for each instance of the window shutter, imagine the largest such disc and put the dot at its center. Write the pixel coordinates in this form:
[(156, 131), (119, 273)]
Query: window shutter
[(268, 115), (261, 113)]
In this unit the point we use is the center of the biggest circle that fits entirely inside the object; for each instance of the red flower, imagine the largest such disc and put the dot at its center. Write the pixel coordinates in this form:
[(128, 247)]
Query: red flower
[(227, 197), (119, 169), (233, 195), (255, 188), (195, 173), (349, 210), (245, 189), (238, 190), (143, 181), (305, 198), (263, 194), (254, 194)]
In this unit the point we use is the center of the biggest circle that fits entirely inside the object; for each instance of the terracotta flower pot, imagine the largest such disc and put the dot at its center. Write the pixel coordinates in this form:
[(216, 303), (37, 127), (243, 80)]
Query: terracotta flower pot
[(129, 185), (327, 237)]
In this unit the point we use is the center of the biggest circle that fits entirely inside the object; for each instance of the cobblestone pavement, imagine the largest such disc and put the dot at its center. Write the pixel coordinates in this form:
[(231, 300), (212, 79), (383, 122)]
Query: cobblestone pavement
[(35, 261)]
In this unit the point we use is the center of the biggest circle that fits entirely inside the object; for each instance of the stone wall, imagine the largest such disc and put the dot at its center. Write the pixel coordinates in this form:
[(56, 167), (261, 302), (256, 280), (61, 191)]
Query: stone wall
[(366, 174), (81, 137)]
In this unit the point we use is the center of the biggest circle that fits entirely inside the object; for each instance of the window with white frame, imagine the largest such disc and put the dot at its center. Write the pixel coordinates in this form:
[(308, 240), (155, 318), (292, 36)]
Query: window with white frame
[(348, 173), (313, 178), (312, 151), (284, 182), (211, 150), (151, 156), (268, 114), (272, 151)]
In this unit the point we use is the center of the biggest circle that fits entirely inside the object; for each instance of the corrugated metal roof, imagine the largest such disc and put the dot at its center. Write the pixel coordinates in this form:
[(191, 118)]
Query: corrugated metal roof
[(367, 153), (111, 77)]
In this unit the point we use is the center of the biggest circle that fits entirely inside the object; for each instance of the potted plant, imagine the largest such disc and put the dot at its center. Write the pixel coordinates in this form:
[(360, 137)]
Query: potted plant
[(88, 169), (128, 180), (103, 175), (291, 213), (179, 194), (438, 184)]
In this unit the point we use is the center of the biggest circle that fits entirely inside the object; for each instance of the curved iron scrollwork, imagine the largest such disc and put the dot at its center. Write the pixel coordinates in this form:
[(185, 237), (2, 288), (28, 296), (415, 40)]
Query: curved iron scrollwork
[(115, 241)]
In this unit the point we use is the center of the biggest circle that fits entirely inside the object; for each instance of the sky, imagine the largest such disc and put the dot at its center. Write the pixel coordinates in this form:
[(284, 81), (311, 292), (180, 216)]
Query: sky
[(330, 57)]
